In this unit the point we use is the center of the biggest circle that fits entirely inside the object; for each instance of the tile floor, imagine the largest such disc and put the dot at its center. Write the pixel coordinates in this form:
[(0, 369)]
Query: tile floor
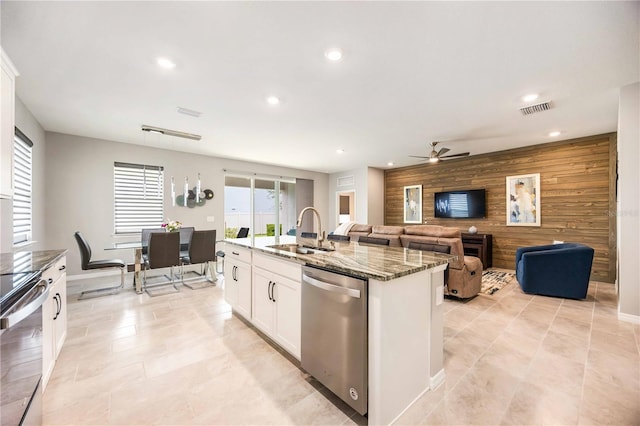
[(510, 359)]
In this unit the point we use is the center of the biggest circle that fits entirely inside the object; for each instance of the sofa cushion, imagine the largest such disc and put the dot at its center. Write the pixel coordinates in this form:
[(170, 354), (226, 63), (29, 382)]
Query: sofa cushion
[(387, 229), (357, 227), (391, 233), (359, 230), (433, 231)]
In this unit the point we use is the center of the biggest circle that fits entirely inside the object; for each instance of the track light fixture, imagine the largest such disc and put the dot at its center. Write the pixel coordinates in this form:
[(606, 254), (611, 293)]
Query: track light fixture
[(169, 132)]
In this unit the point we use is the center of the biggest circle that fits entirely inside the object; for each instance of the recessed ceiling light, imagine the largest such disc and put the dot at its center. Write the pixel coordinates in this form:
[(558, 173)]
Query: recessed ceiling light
[(166, 63), (273, 100), (340, 151), (334, 54), (530, 97), (390, 163), (554, 134)]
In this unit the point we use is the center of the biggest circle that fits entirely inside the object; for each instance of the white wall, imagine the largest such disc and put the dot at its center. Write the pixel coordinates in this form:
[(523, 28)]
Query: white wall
[(360, 180), (79, 186), (27, 123), (629, 203), (368, 185), (375, 196)]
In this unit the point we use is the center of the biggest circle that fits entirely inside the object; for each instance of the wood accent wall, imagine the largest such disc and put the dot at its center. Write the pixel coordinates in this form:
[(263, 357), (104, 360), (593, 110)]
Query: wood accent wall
[(577, 196)]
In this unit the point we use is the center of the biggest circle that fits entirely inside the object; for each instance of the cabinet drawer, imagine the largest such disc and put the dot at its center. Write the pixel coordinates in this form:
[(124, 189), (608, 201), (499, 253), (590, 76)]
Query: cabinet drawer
[(56, 270), (238, 253), (287, 269)]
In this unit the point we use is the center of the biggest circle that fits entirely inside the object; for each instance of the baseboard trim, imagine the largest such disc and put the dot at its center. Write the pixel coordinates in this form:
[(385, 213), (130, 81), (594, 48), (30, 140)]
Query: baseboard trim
[(635, 319), (113, 271), (94, 275), (437, 380)]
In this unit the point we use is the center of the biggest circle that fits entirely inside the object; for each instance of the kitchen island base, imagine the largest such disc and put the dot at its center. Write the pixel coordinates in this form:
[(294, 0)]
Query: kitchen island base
[(406, 341)]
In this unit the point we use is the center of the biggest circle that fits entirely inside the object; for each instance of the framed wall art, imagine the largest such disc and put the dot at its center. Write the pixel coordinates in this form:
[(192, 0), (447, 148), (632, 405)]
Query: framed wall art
[(413, 204), (523, 200)]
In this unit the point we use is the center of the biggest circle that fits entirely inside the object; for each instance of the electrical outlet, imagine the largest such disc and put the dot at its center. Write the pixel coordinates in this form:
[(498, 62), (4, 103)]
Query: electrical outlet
[(211, 219)]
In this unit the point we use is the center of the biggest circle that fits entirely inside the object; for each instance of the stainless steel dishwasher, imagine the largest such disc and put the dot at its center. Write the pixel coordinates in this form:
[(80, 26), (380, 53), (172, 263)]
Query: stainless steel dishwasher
[(334, 333)]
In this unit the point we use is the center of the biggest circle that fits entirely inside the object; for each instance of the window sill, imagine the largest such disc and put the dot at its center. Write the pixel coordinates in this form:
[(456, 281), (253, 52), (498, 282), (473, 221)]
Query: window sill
[(23, 245)]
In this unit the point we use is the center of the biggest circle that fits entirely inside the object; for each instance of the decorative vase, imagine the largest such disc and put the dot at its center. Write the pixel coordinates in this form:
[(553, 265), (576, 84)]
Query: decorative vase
[(473, 230)]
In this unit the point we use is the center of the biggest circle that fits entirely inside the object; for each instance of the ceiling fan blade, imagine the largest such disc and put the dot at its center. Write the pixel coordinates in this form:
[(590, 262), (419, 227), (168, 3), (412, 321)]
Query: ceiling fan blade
[(443, 151), (418, 156), (463, 154)]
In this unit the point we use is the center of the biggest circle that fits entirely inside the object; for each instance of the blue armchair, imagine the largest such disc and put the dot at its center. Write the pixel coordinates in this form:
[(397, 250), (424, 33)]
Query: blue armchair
[(560, 270)]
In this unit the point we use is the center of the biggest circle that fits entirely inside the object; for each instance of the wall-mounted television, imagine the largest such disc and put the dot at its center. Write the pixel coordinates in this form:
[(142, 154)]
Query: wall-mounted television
[(465, 204)]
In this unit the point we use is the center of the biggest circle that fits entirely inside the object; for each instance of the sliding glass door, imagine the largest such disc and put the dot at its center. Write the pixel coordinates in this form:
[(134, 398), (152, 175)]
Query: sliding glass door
[(266, 206)]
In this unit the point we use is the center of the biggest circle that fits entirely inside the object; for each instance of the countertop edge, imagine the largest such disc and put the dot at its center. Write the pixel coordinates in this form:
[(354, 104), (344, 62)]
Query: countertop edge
[(314, 260)]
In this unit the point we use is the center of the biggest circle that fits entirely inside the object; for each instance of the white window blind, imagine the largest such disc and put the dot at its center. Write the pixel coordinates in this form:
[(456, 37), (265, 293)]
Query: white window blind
[(22, 188), (139, 197)]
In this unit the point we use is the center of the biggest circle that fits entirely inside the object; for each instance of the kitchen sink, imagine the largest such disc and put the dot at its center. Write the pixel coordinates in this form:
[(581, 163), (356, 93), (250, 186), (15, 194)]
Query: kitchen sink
[(299, 249)]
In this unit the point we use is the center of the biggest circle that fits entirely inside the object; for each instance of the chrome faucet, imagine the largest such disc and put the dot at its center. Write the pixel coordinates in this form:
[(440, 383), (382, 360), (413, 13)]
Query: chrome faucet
[(319, 235)]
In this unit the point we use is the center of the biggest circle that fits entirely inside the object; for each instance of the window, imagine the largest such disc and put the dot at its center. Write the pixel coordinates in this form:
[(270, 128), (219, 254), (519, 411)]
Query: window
[(138, 197), (22, 188)]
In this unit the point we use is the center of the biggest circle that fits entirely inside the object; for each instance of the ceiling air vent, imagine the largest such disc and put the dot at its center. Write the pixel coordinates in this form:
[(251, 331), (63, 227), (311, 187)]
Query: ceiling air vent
[(531, 109)]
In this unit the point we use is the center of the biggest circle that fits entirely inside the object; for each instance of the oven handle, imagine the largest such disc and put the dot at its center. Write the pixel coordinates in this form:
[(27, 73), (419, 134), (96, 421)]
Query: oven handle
[(20, 312), (331, 287)]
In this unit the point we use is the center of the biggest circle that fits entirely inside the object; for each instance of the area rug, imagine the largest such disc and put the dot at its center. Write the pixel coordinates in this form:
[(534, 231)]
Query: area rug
[(493, 280)]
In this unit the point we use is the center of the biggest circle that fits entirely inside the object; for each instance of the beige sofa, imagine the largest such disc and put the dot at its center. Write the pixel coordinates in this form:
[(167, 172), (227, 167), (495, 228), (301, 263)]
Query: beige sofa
[(465, 274)]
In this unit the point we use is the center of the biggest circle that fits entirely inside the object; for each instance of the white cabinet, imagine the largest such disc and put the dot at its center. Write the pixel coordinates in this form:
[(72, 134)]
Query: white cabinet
[(7, 125), (237, 280), (263, 303), (277, 300), (54, 317)]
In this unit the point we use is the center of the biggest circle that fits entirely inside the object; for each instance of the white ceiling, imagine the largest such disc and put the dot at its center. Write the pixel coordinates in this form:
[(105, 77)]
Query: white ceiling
[(412, 72)]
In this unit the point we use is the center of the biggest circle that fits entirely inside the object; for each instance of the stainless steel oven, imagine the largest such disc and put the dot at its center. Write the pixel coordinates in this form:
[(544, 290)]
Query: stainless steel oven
[(334, 333), (23, 295)]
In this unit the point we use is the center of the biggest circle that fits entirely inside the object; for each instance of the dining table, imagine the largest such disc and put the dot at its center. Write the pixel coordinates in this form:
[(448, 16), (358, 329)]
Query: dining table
[(137, 265)]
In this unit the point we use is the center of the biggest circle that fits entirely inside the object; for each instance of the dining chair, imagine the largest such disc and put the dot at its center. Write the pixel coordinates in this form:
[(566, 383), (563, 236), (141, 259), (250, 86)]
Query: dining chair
[(164, 252), (373, 241), (87, 264), (202, 250), (144, 240), (440, 248), (185, 239), (336, 237), (243, 233)]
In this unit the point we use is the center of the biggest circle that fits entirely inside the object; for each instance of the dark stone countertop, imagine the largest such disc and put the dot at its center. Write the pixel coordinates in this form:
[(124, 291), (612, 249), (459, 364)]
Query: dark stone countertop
[(365, 261), (28, 261)]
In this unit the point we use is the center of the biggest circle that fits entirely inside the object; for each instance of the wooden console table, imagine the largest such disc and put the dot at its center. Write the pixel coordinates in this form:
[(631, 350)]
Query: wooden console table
[(478, 245)]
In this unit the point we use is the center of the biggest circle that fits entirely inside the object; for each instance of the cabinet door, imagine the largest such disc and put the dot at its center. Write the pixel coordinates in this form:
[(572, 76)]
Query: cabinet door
[(287, 294), (263, 304), (230, 283), (60, 317), (48, 359), (243, 280)]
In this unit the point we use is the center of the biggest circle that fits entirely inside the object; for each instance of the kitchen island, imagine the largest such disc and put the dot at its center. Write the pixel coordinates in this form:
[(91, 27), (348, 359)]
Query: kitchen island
[(405, 309)]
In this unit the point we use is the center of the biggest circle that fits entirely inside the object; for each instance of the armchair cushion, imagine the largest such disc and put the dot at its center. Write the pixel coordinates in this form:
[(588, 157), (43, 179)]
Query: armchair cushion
[(560, 270)]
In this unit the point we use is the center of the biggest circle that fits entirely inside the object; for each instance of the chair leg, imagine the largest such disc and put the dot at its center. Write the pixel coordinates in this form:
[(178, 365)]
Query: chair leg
[(89, 294), (203, 274), (171, 281)]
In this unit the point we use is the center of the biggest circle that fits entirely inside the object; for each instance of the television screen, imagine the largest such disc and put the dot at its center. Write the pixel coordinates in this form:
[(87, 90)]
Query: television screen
[(460, 204)]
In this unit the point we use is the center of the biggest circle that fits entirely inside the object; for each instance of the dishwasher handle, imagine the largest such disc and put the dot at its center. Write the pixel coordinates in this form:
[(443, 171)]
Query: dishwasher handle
[(331, 287), (27, 305)]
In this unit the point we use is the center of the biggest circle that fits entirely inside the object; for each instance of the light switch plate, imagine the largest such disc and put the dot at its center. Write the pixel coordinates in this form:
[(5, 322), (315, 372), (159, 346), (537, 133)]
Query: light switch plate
[(211, 219)]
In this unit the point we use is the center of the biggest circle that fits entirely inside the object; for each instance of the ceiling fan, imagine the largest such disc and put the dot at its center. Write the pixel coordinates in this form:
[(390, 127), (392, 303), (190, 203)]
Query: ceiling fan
[(436, 156)]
